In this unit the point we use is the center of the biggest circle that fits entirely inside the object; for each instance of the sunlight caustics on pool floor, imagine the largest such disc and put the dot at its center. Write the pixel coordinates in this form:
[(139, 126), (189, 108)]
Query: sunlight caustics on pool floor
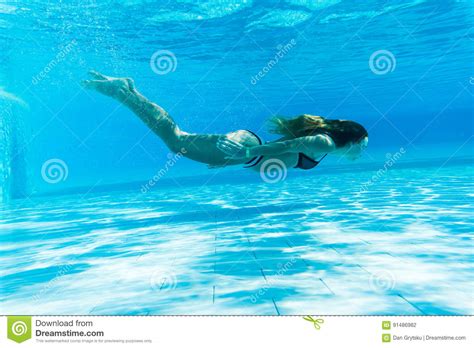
[(318, 244)]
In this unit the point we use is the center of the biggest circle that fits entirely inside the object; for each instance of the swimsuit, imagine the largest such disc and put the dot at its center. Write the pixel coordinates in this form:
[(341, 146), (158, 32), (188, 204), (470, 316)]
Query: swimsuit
[(254, 161), (304, 162)]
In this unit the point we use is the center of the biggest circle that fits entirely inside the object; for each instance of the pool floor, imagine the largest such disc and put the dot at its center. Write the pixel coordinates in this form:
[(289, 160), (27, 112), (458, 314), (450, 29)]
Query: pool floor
[(320, 244)]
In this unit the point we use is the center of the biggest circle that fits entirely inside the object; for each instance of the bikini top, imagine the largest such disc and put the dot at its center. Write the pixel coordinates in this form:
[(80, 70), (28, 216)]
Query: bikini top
[(306, 162)]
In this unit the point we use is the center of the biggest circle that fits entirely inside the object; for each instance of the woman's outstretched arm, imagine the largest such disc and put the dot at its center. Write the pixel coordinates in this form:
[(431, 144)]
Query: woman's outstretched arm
[(310, 144)]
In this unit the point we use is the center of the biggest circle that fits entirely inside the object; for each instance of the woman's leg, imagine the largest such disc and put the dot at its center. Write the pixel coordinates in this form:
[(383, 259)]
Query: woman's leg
[(124, 91), (198, 147)]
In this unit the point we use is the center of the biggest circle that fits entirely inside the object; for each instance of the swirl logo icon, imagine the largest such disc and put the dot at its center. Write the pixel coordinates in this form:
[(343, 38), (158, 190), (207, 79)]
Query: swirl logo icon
[(273, 170), (383, 280), (382, 62), (54, 170), (163, 61), (19, 328), (163, 281)]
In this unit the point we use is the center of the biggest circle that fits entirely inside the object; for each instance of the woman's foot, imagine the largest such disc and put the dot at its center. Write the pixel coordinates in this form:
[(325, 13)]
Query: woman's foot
[(115, 87)]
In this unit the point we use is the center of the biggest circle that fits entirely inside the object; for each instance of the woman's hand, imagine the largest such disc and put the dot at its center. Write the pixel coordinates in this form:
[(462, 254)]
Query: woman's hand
[(233, 149)]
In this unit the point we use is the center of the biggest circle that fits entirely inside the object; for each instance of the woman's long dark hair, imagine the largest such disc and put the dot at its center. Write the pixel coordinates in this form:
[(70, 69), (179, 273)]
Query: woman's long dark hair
[(342, 132)]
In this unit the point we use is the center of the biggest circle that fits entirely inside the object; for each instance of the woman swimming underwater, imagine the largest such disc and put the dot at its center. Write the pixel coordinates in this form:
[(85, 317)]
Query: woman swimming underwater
[(305, 138)]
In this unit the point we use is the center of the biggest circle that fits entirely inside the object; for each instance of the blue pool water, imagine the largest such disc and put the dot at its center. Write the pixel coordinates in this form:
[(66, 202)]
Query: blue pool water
[(97, 217), (402, 247)]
